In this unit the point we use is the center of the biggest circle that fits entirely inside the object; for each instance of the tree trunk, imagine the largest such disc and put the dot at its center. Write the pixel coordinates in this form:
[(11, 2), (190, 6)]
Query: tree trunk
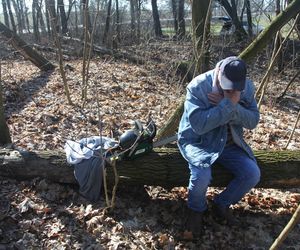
[(18, 15), (48, 21), (5, 13), (29, 53), (22, 13), (163, 167), (107, 22), (175, 14), (156, 21), (249, 17), (105, 51), (35, 21), (87, 23), (132, 19), (201, 13), (51, 11), (63, 17), (278, 42), (232, 12), (12, 20), (27, 19), (138, 20), (181, 22), (40, 18), (118, 22), (4, 131)]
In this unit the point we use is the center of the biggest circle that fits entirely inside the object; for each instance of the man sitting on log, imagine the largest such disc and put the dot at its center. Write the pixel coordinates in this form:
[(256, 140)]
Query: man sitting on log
[(218, 105)]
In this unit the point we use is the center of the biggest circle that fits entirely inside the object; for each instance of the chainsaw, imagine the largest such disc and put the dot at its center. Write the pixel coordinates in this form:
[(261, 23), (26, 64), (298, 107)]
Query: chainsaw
[(139, 140)]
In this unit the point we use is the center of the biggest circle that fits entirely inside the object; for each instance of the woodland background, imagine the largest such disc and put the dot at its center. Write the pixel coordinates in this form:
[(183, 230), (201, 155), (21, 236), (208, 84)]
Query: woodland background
[(72, 69)]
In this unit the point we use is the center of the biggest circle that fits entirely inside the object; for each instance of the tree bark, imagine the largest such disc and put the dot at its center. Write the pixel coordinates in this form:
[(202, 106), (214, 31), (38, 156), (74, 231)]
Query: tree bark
[(201, 15), (29, 53), (4, 131), (40, 18), (155, 14), (118, 31), (107, 23), (175, 14), (181, 22), (249, 17), (12, 20), (163, 167), (18, 15), (63, 16), (5, 13), (22, 13), (35, 21)]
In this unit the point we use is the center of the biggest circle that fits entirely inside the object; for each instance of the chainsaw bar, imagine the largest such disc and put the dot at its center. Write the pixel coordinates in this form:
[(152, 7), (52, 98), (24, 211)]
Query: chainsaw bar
[(165, 141)]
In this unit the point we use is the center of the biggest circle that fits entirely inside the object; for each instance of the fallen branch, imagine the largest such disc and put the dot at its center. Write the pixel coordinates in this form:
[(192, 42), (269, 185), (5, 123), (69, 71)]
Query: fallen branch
[(105, 51)]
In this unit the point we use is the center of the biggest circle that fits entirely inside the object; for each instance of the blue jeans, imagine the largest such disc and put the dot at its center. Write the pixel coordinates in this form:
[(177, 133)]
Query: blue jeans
[(246, 176)]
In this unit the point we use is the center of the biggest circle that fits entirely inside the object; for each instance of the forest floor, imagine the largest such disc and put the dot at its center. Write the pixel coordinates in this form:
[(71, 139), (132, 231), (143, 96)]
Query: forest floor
[(38, 214)]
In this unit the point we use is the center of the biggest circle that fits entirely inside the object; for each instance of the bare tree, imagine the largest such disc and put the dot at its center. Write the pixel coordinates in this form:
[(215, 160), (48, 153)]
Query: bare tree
[(133, 18), (86, 16), (201, 14), (249, 17), (53, 21), (138, 18), (118, 22), (107, 22), (35, 21), (181, 22), (5, 13), (4, 130), (12, 20), (175, 15), (63, 16), (22, 6), (155, 14), (18, 15), (231, 9)]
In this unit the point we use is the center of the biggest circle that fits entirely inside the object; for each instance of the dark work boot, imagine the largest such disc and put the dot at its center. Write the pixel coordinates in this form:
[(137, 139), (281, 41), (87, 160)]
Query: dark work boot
[(194, 225), (223, 215)]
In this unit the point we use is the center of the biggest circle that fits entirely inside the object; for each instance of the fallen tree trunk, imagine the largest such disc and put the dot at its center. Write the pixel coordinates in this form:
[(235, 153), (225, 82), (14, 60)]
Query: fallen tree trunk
[(164, 167), (106, 51), (25, 50)]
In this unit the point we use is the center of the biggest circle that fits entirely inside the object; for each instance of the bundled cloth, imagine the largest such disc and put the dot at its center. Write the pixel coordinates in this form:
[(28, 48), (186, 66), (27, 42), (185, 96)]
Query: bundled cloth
[(88, 157)]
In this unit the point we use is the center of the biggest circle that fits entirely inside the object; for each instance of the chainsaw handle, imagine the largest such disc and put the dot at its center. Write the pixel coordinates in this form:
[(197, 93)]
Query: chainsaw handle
[(138, 125), (151, 127)]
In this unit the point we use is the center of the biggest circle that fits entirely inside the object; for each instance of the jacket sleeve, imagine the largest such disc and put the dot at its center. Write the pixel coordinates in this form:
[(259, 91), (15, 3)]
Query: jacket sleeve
[(246, 116), (204, 117)]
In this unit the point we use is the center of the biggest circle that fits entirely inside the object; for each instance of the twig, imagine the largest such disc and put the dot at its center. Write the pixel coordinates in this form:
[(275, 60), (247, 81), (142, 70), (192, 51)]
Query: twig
[(263, 84), (293, 131), (113, 198), (288, 85), (293, 221)]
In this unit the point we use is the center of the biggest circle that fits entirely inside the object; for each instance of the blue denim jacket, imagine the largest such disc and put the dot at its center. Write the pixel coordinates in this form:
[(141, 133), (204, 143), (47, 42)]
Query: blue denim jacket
[(202, 133)]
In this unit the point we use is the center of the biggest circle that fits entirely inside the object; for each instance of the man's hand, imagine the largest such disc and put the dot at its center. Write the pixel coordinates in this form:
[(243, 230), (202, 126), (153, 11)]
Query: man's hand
[(233, 95), (215, 98)]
